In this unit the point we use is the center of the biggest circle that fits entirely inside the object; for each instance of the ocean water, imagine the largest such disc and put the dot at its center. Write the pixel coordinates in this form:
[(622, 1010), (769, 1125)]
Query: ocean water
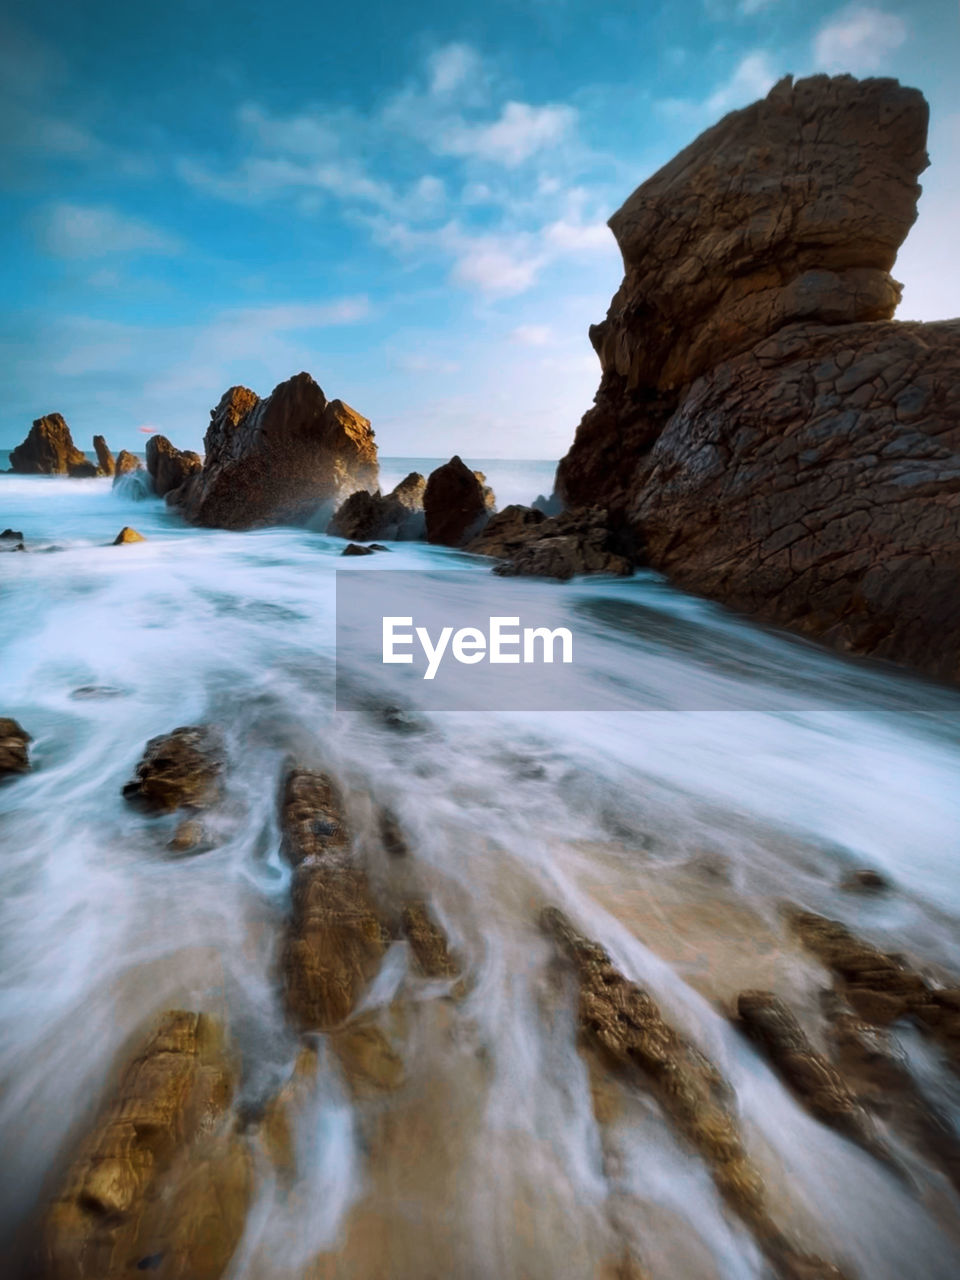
[(757, 769)]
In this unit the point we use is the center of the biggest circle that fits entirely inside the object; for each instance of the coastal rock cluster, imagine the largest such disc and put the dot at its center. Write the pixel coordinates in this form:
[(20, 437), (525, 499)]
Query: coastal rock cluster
[(766, 432), (49, 451)]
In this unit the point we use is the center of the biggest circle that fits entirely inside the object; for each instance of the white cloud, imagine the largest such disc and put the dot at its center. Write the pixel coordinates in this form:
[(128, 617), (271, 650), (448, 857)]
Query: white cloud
[(858, 39), (532, 335), (753, 77), (451, 67), (97, 231), (520, 132)]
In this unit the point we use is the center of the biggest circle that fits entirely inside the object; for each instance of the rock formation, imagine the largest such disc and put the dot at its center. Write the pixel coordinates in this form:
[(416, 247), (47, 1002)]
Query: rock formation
[(774, 440), (126, 535), (280, 460), (178, 770), (398, 516), (48, 450), (169, 467), (456, 503), (530, 544), (14, 754), (105, 459), (125, 463)]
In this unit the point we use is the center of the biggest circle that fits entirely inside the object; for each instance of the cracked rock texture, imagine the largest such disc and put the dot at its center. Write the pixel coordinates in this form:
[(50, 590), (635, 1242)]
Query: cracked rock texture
[(767, 431)]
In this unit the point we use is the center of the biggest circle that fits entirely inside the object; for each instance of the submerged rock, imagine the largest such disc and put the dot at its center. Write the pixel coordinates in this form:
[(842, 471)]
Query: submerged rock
[(169, 467), (428, 943), (48, 450), (533, 545), (14, 747), (279, 460), (396, 517), (456, 503), (127, 534), (105, 460), (178, 770)]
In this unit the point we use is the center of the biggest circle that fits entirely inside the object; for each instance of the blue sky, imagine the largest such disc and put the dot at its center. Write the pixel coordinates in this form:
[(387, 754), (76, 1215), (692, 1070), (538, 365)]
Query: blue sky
[(407, 200)]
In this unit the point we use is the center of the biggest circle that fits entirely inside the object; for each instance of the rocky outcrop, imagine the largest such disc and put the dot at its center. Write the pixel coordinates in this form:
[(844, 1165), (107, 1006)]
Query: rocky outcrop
[(178, 770), (125, 463), (169, 467), (531, 544), (105, 460), (162, 1182), (762, 426), (48, 450), (126, 535), (396, 516), (456, 503), (14, 748), (280, 460)]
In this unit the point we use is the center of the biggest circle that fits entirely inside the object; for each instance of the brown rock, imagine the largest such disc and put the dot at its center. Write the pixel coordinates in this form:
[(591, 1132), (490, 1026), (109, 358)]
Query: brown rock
[(14, 753), (278, 460), (428, 943), (105, 460), (48, 450), (160, 1177), (83, 470), (763, 428), (335, 940), (398, 516), (178, 770), (169, 467), (125, 463), (354, 549), (369, 1061), (127, 534), (456, 504), (865, 880), (532, 545)]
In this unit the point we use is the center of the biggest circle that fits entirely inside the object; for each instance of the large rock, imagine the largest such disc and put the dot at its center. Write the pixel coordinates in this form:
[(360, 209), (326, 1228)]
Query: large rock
[(280, 460), (396, 516), (14, 743), (456, 503), (530, 544), (105, 459), (761, 424), (168, 466), (178, 770), (48, 450)]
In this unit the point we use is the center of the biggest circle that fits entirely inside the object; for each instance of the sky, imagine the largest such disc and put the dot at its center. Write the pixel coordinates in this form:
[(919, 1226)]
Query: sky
[(407, 200)]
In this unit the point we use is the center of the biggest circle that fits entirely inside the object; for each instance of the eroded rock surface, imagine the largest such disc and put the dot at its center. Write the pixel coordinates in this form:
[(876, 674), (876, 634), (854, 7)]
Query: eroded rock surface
[(456, 503), (531, 544), (178, 770), (105, 460), (168, 466), (125, 463), (279, 460), (766, 431), (48, 450), (14, 748), (394, 517)]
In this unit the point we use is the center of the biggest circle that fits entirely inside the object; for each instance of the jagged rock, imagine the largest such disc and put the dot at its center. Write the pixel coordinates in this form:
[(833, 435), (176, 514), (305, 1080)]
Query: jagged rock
[(178, 770), (11, 535), (85, 470), (456, 503), (125, 463), (105, 460), (279, 460), (169, 467), (764, 429), (48, 450), (623, 1024), (14, 753), (335, 940), (127, 534), (398, 516), (161, 1182), (533, 545)]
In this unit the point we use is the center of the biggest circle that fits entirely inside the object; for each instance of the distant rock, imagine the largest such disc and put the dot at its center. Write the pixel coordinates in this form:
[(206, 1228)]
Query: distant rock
[(456, 503), (169, 467), (105, 458), (766, 431), (127, 534), (14, 754), (48, 450), (125, 463), (280, 460), (530, 544), (398, 516), (11, 535), (178, 770), (355, 549), (85, 470)]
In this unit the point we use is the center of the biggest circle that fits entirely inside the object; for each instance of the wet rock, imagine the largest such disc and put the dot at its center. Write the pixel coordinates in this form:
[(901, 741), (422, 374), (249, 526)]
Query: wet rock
[(397, 516), (623, 1024), (353, 549), (391, 836), (533, 545), (127, 534), (105, 460), (90, 692), (456, 503), (280, 460), (160, 1183), (169, 467), (48, 450), (865, 880), (14, 748), (368, 1060), (811, 1076), (178, 770), (428, 943), (83, 470), (335, 940), (125, 463), (189, 837), (11, 535)]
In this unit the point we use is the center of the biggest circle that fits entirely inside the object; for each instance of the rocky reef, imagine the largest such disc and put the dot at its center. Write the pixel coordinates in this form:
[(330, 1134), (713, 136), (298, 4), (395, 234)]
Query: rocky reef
[(765, 430)]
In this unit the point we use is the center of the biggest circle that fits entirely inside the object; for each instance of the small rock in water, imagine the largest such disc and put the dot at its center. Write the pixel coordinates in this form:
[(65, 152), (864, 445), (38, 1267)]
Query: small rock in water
[(127, 534), (189, 837), (179, 770), (14, 756), (11, 535), (865, 879), (92, 691), (354, 549)]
